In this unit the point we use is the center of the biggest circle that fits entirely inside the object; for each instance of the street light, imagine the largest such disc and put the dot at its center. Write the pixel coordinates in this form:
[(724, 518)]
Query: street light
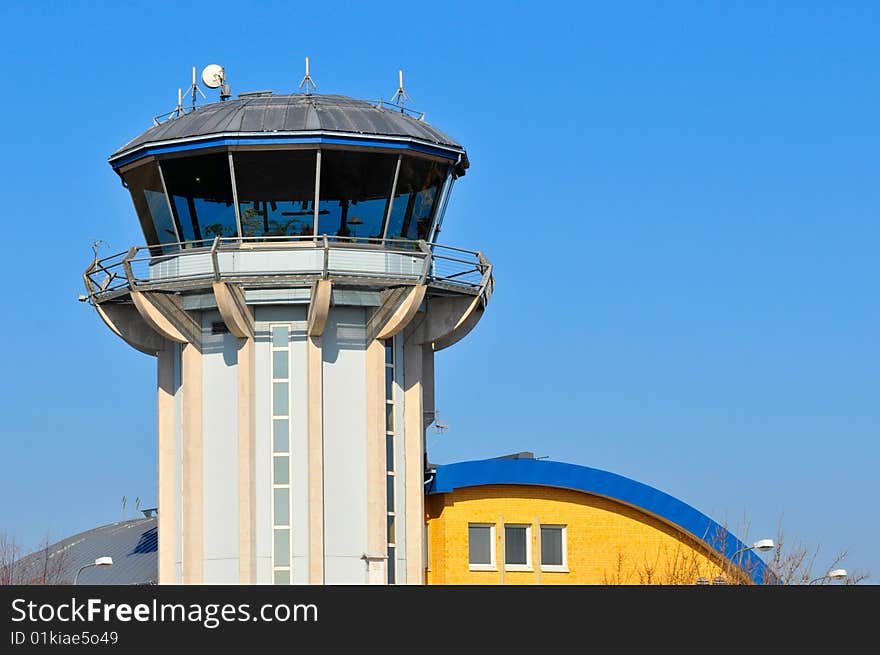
[(834, 574), (761, 545), (101, 561)]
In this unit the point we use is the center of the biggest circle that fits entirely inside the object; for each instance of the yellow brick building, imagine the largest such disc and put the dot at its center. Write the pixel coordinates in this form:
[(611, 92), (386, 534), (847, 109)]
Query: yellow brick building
[(527, 521)]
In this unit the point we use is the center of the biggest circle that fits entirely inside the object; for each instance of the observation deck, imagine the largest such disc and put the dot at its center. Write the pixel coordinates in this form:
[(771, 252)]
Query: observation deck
[(290, 262)]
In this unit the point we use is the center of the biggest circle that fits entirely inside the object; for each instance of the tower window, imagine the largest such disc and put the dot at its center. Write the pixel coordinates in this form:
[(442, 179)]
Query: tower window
[(390, 473), (355, 188), (200, 190), (281, 503), (276, 192)]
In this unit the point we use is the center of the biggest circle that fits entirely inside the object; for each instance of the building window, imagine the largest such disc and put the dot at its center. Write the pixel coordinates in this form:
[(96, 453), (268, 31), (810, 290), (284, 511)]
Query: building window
[(481, 546), (517, 547), (281, 505), (554, 547), (151, 205), (415, 198), (390, 477), (276, 192), (355, 189), (200, 190)]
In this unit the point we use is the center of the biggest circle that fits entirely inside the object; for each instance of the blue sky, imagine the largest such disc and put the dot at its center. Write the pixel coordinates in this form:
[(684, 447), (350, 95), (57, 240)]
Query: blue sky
[(680, 200)]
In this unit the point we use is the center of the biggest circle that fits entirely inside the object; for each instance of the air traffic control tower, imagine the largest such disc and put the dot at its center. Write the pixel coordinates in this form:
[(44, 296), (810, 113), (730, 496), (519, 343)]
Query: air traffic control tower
[(294, 294)]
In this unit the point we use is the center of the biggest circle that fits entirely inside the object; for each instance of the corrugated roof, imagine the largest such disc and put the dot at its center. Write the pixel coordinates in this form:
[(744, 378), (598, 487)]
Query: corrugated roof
[(132, 544), (291, 113)]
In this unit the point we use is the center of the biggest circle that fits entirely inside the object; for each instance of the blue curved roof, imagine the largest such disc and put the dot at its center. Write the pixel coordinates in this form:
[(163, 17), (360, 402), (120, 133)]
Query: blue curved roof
[(449, 477)]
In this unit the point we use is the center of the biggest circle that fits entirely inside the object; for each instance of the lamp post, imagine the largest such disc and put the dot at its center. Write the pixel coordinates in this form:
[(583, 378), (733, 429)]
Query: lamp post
[(834, 574), (101, 561), (762, 546)]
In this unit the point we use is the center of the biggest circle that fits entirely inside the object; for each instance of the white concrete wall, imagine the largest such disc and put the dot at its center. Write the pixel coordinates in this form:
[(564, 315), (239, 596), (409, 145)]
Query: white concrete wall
[(178, 464), (344, 448), (345, 452), (220, 453)]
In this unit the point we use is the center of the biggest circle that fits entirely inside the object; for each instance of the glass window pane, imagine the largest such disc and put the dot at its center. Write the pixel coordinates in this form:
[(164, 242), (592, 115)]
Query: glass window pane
[(515, 545), (280, 336), (392, 565), (391, 533), (281, 474), (389, 352), (279, 365), (281, 436), (282, 547), (389, 417), (276, 192), (280, 398), (389, 492), (389, 383), (418, 189), (389, 452), (282, 577), (479, 544), (282, 506), (355, 187), (201, 195), (151, 204), (551, 546)]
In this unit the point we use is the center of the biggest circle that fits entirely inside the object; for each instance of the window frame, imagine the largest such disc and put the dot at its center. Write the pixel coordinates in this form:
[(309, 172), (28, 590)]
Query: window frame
[(281, 568), (528, 566), (555, 568), (493, 564)]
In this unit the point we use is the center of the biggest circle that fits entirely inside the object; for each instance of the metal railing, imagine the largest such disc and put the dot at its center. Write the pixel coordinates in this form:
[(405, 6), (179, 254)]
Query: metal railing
[(282, 261)]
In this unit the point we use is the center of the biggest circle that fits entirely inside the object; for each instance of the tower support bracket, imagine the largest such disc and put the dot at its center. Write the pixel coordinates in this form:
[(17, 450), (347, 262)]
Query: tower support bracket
[(233, 308)]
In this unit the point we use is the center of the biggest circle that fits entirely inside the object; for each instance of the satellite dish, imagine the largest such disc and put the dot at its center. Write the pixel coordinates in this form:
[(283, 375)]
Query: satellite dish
[(213, 76)]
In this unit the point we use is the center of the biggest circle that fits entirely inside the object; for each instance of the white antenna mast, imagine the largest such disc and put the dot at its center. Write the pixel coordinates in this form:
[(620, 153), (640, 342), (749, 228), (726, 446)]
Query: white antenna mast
[(440, 427), (179, 109), (400, 96), (96, 244), (194, 89), (307, 81)]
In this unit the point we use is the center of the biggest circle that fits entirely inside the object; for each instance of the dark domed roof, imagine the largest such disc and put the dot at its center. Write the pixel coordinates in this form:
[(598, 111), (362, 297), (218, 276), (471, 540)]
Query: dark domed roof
[(261, 113), (133, 545)]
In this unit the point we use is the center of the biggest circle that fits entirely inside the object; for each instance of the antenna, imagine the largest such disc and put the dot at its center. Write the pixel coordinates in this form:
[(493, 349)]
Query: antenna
[(440, 427), (194, 89), (400, 96), (308, 81), (96, 244), (214, 77)]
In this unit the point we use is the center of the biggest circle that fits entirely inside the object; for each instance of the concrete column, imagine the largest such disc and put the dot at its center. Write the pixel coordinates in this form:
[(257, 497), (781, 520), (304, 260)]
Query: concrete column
[(167, 463), (247, 562), (377, 511), (315, 363), (414, 453), (193, 468)]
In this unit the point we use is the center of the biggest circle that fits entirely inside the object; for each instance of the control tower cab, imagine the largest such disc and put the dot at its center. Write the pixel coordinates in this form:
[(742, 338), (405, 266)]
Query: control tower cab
[(293, 292)]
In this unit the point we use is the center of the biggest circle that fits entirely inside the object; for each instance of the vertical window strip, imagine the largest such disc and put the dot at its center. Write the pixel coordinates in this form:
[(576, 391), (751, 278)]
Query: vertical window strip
[(389, 459), (279, 375)]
